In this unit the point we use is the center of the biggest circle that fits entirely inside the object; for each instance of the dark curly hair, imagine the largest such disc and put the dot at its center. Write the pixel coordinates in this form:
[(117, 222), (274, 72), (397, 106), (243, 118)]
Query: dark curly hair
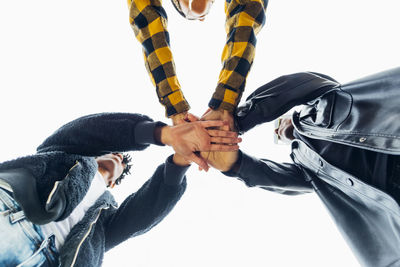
[(126, 159)]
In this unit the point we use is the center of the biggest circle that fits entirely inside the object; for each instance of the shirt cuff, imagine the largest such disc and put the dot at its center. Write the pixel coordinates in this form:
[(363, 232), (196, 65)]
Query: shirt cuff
[(174, 174), (144, 132), (219, 104), (171, 110)]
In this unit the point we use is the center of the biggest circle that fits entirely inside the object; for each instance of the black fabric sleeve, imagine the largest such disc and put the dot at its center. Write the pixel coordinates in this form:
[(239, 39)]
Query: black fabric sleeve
[(283, 178), (102, 133), (144, 209)]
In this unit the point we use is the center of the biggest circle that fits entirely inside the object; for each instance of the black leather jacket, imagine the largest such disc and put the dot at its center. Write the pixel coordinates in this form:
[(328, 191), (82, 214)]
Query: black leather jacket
[(364, 114)]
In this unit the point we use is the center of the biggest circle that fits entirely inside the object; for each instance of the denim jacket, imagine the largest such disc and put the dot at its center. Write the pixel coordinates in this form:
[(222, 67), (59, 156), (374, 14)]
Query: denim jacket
[(51, 183), (363, 114)]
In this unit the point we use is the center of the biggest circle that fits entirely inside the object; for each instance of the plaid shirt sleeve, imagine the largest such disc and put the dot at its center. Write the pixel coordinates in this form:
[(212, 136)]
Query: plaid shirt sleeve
[(149, 22), (244, 19)]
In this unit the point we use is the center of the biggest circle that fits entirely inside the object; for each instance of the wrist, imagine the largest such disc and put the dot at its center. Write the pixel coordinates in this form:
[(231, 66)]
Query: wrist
[(235, 166), (178, 118), (180, 160), (164, 135)]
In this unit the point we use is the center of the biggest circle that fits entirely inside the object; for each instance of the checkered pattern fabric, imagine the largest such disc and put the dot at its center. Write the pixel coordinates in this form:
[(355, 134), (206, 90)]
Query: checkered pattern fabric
[(149, 22), (244, 19)]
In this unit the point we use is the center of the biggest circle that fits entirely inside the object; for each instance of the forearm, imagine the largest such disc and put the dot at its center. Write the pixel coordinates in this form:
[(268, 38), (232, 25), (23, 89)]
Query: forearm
[(284, 178), (243, 22), (278, 96), (103, 133), (149, 22), (144, 209)]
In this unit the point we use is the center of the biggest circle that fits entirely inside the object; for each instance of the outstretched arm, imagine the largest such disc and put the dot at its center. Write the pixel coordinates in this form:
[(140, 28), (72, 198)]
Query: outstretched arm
[(284, 178), (149, 22), (144, 209), (104, 133), (275, 98), (244, 19)]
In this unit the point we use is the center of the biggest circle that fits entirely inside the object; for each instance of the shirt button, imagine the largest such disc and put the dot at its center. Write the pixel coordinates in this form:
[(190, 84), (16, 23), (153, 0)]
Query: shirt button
[(321, 163), (349, 182)]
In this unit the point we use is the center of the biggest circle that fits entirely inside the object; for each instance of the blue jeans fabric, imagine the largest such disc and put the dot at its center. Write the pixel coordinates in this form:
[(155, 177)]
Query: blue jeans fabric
[(21, 242)]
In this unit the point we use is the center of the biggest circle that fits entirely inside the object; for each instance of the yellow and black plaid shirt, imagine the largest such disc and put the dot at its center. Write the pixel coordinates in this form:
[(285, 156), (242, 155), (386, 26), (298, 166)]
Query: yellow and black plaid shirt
[(244, 19)]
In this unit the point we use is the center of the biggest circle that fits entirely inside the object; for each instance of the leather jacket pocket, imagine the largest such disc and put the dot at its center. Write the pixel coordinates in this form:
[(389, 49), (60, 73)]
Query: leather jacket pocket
[(328, 111)]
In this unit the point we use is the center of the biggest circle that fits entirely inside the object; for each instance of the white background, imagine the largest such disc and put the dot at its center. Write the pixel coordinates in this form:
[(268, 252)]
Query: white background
[(63, 59)]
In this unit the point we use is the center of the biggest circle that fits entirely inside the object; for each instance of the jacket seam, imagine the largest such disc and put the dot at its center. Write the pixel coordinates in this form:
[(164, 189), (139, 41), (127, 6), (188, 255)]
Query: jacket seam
[(361, 193), (384, 195), (52, 192), (344, 132), (351, 107), (58, 182), (85, 236)]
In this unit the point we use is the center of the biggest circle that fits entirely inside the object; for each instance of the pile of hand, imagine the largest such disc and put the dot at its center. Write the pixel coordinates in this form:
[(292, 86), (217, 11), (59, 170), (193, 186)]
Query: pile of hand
[(209, 140)]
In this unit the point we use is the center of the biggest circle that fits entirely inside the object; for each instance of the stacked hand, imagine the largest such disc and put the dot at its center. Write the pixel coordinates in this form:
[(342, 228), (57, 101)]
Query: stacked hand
[(189, 136), (221, 160), (210, 140)]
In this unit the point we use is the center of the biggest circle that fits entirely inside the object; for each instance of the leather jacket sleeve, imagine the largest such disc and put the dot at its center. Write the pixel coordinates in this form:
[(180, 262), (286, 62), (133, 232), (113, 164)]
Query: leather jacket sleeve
[(144, 209), (102, 133), (280, 95), (283, 178)]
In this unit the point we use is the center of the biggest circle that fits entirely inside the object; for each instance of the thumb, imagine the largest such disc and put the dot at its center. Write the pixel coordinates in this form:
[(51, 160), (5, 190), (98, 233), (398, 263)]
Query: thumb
[(207, 111), (199, 161)]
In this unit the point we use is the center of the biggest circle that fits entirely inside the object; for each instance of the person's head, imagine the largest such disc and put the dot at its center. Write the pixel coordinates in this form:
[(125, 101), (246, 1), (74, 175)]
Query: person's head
[(114, 167), (193, 9), (284, 130)]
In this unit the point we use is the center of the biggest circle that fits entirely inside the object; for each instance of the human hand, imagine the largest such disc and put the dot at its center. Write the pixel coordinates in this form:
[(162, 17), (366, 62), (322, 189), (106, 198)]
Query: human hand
[(179, 118), (186, 138), (180, 160), (220, 160), (219, 114)]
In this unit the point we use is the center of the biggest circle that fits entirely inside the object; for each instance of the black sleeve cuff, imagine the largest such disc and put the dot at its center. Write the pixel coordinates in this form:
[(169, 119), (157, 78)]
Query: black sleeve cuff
[(235, 170), (174, 174), (144, 132)]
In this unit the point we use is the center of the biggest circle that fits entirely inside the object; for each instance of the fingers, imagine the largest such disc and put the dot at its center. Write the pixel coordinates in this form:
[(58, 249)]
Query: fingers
[(226, 140), (207, 111), (222, 133), (225, 127), (199, 161), (221, 147), (207, 124)]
